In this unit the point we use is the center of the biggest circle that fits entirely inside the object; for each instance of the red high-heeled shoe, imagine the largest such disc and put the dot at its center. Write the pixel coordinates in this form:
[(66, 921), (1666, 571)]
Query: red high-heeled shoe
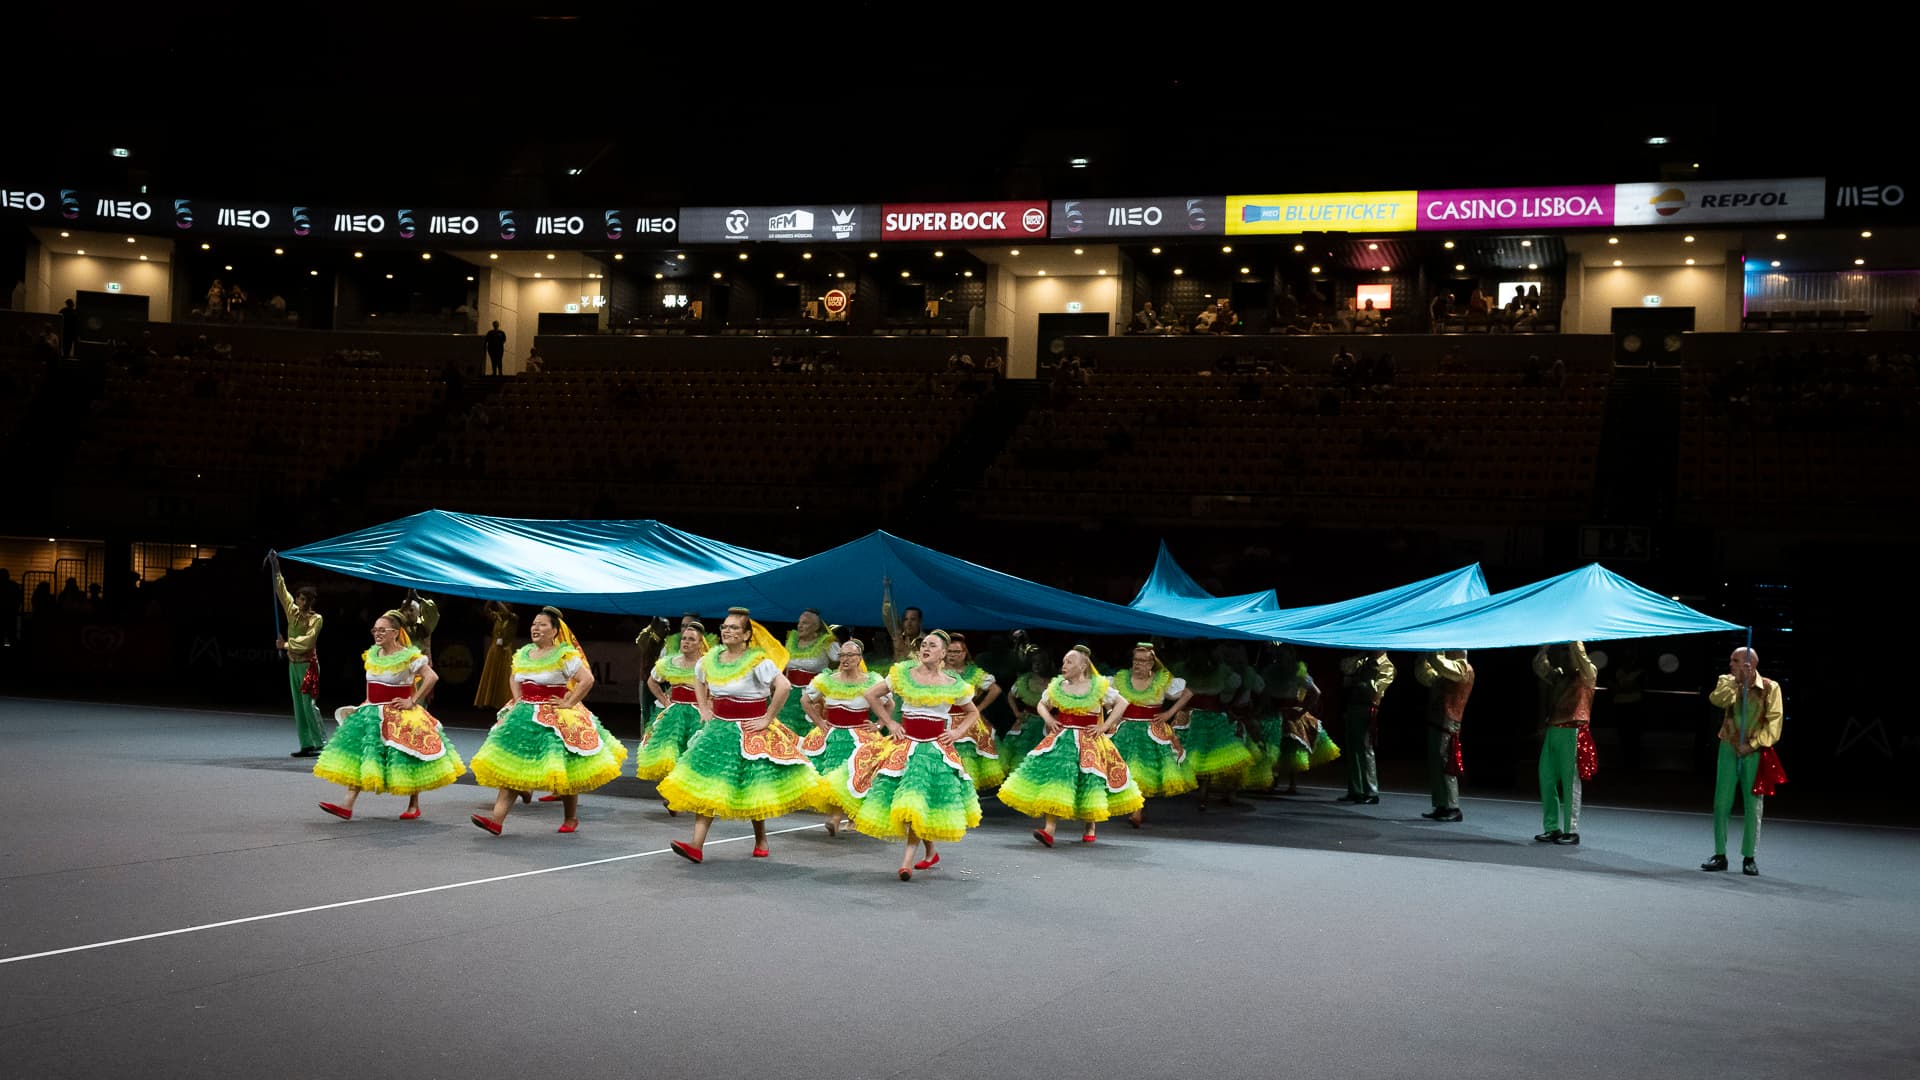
[(1043, 836), (687, 851), (1087, 839), (340, 812), (487, 823), (410, 813), (568, 826), (761, 853), (550, 797), (928, 864)]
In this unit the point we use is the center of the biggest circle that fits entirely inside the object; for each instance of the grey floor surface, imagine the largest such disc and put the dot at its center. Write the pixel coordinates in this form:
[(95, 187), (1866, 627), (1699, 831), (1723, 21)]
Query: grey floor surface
[(1294, 936)]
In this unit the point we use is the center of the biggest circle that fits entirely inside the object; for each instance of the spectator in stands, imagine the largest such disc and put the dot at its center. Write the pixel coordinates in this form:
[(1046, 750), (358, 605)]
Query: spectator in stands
[(236, 301), (10, 597), (1203, 323), (1344, 367), (1144, 320), (216, 299), (534, 361), (1170, 320), (1556, 376), (1440, 310), (1533, 299), (72, 600), (1369, 317), (1477, 305), (69, 328), (496, 348), (43, 604), (1344, 322), (279, 306), (1285, 313), (1225, 319)]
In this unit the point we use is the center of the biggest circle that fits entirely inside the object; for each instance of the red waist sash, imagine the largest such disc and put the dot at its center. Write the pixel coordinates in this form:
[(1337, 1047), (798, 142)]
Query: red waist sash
[(838, 717), (533, 691), (1141, 712), (1209, 702), (380, 693), (923, 728), (801, 678), (1077, 719), (683, 695), (737, 709)]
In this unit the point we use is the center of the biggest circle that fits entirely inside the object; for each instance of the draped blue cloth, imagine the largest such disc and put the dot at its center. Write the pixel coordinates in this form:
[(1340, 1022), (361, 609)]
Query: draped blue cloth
[(647, 568), (1170, 590)]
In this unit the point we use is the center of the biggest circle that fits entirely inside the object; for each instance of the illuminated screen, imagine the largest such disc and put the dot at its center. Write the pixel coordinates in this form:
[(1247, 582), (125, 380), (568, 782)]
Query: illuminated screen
[(1510, 289), (1381, 295)]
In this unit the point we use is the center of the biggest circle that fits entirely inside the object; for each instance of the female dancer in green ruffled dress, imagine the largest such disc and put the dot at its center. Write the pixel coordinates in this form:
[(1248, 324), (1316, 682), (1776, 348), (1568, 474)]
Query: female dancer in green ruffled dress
[(914, 785), (842, 704), (390, 745), (1154, 696), (976, 745), (678, 721), (811, 649), (1076, 772), (1024, 699), (547, 740)]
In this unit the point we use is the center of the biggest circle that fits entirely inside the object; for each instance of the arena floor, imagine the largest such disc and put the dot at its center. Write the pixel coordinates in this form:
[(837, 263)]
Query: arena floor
[(173, 903)]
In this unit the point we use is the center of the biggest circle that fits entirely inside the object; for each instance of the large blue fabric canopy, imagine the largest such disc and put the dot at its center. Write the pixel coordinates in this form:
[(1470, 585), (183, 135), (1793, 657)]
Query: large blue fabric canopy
[(1170, 590), (1442, 590), (1588, 604), (593, 565)]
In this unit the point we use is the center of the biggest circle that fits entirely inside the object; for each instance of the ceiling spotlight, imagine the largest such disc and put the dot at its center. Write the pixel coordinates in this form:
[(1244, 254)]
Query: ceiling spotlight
[(1246, 270), (906, 273), (550, 255), (469, 277), (1386, 269), (536, 273), (659, 277), (966, 273), (203, 247), (1526, 243), (143, 258), (1298, 248), (427, 256), (1448, 245), (1459, 266), (680, 256), (1688, 238), (1177, 271), (1079, 251), (83, 251), (575, 172), (1016, 251), (1313, 269), (1043, 273), (1866, 234), (780, 275), (1779, 236), (716, 275), (1613, 239), (618, 255), (389, 277), (1617, 262), (64, 234), (1077, 163), (743, 256), (1156, 251), (1373, 247), (1102, 273), (1536, 266), (1656, 140), (841, 274), (131, 240), (875, 254), (806, 254), (493, 255), (1776, 264), (313, 273), (1226, 249), (359, 254), (1689, 262), (1859, 262), (229, 265), (279, 251)]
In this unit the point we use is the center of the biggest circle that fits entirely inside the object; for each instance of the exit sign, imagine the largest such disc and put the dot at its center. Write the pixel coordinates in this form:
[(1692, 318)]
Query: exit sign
[(113, 286), (1073, 306), (1650, 300)]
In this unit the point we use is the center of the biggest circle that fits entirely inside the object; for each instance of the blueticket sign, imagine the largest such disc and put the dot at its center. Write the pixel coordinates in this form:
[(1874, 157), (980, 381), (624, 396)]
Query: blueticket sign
[(1173, 216), (845, 222)]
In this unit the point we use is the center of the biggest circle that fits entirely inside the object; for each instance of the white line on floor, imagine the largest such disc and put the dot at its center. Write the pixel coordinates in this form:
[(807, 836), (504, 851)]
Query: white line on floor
[(377, 899)]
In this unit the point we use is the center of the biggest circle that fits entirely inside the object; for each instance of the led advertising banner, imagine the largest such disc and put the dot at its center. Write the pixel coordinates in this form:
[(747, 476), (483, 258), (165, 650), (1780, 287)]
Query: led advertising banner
[(1176, 215), (38, 203), (1341, 211), (1719, 202), (790, 224), (1873, 198), (1522, 208), (964, 221)]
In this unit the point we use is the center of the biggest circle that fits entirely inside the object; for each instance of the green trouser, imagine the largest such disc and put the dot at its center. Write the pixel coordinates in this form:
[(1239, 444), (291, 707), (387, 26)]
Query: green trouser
[(1363, 774), (306, 718), (1560, 781), (1446, 789), (1734, 768)]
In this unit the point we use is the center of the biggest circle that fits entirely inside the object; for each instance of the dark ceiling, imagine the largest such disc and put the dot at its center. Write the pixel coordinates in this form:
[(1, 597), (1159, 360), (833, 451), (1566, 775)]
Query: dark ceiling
[(880, 102)]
